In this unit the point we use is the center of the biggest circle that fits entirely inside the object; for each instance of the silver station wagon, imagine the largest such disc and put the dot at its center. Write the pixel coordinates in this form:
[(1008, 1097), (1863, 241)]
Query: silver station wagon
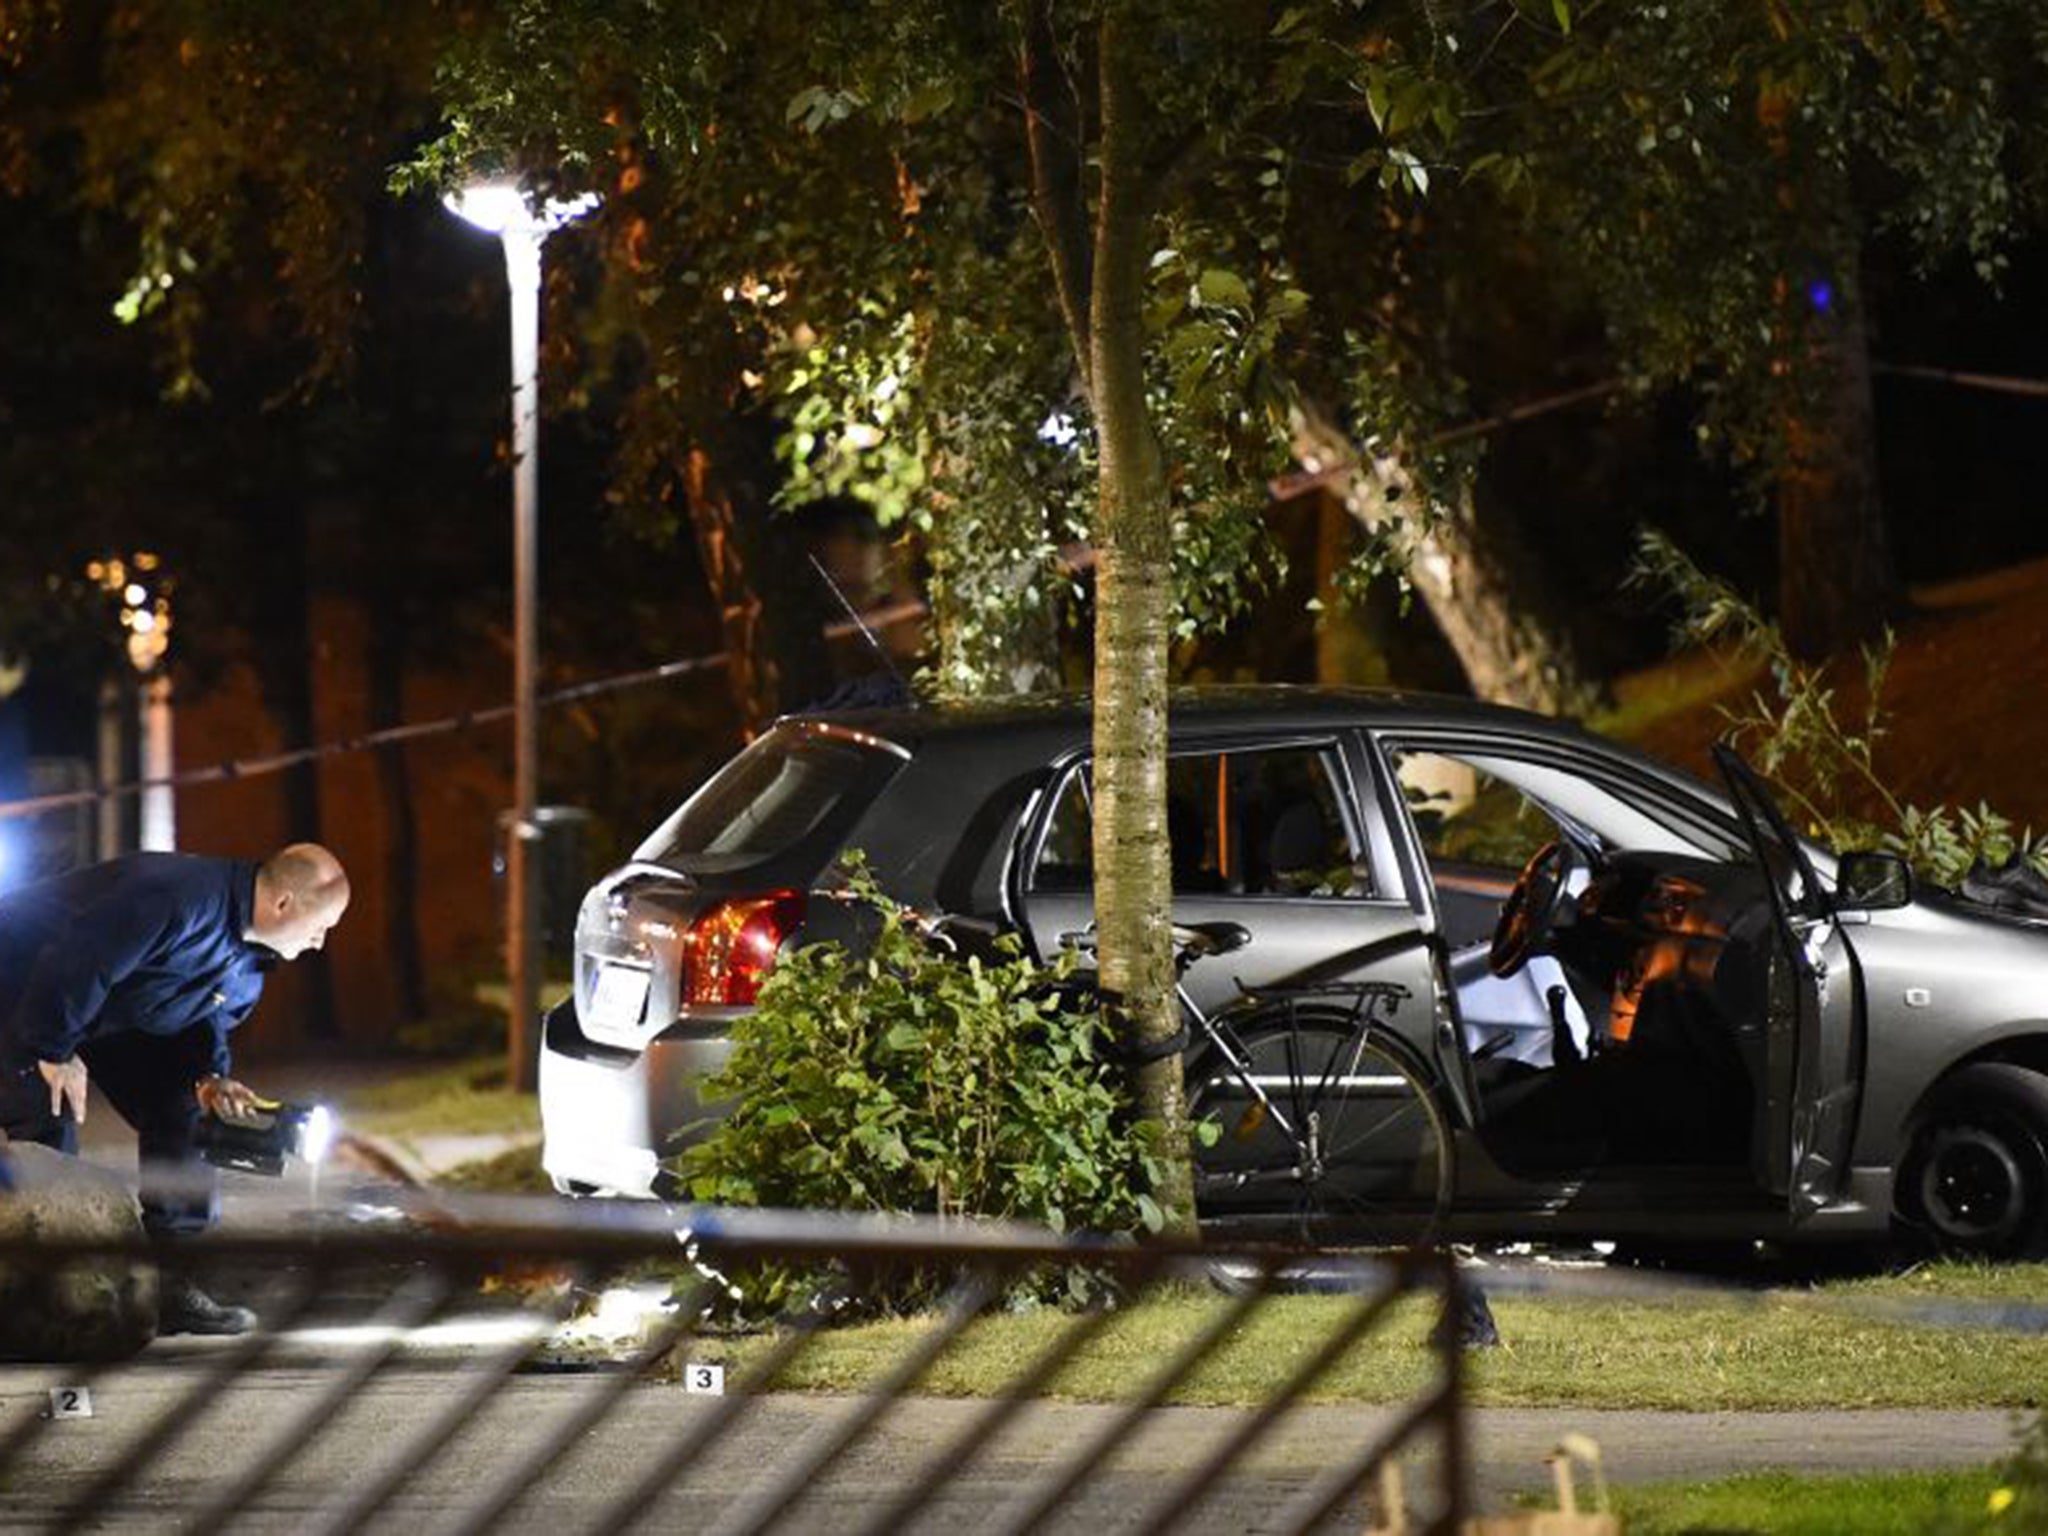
[(1448, 965)]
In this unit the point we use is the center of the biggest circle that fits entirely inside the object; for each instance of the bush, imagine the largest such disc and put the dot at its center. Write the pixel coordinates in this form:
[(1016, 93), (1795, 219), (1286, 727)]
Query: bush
[(1823, 763), (908, 1078)]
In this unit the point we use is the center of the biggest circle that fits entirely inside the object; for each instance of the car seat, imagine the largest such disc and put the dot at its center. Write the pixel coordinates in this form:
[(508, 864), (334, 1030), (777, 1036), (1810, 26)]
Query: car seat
[(1297, 850), (1187, 835)]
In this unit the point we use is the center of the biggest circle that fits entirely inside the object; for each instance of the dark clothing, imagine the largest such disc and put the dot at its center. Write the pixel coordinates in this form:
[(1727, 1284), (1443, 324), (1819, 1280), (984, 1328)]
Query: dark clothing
[(149, 1081), (137, 966), (151, 944)]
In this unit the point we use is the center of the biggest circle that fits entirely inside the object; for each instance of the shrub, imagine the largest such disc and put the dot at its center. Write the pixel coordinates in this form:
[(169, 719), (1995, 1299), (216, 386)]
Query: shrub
[(1823, 763), (905, 1077)]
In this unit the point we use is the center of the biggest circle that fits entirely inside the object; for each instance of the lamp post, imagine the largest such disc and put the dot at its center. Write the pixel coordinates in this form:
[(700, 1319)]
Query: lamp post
[(142, 589), (501, 208)]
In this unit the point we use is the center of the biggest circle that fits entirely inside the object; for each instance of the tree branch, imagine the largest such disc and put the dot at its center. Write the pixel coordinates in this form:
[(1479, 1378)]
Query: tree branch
[(1190, 154), (1053, 131)]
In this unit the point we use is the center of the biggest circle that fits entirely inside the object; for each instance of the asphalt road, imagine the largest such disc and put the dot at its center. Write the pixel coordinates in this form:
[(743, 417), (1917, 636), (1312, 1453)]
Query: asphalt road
[(227, 1430)]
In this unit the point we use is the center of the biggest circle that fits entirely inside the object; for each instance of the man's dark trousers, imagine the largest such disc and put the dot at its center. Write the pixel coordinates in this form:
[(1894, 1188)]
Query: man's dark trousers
[(149, 1079)]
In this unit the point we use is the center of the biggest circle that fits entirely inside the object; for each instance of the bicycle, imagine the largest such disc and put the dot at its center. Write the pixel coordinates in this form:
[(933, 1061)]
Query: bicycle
[(1325, 1119)]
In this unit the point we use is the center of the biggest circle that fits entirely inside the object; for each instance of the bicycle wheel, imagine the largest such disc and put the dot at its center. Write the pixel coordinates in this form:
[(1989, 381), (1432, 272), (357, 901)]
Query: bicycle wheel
[(1329, 1130)]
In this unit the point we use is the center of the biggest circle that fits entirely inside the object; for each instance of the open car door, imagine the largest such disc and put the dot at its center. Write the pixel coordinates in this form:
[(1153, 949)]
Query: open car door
[(1811, 1085)]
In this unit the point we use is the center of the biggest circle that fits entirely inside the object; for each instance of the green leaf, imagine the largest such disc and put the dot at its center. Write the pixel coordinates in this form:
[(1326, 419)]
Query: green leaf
[(1562, 10), (1220, 286), (1150, 1214), (802, 103), (1376, 99), (927, 101)]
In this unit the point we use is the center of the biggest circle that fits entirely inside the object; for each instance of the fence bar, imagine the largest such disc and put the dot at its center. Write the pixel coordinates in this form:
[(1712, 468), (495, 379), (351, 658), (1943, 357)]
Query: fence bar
[(180, 1416), (803, 1324), (485, 1228), (1191, 1488), (418, 1300), (1323, 1500), (358, 1503), (836, 1438), (1454, 1471), (23, 1431), (1020, 1394), (583, 1416), (278, 1421), (1028, 1512)]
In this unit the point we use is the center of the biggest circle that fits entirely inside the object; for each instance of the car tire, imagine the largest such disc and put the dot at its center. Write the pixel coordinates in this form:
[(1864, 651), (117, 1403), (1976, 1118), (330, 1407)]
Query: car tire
[(1976, 1179)]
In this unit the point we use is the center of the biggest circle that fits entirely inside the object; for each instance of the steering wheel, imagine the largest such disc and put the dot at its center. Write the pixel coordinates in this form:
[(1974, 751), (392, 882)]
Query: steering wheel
[(1541, 894)]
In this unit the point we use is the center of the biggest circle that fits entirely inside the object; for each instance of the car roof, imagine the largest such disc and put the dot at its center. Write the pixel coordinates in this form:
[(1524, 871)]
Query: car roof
[(1269, 706)]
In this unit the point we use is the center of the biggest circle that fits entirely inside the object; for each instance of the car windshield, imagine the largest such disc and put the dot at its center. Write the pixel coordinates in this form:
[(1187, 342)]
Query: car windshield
[(775, 794)]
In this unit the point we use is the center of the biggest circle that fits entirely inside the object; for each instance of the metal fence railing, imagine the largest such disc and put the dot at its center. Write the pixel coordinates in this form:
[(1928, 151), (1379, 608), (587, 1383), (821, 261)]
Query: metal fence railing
[(407, 1376)]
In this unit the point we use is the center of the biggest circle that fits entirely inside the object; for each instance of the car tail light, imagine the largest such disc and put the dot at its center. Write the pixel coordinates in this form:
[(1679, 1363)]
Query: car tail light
[(729, 951)]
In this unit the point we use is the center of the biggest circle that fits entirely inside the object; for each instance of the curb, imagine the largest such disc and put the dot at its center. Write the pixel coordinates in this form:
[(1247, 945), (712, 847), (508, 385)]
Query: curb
[(394, 1159), (384, 1158)]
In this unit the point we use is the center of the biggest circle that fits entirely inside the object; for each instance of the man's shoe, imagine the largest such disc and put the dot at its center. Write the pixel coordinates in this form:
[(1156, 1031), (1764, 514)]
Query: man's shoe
[(184, 1308)]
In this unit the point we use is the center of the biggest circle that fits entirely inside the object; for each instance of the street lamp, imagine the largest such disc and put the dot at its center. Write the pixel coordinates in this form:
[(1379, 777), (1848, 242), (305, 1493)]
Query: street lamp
[(503, 209)]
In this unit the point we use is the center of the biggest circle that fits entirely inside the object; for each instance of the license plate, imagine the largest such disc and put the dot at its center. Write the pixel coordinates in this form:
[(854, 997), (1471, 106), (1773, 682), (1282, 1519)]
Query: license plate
[(619, 996)]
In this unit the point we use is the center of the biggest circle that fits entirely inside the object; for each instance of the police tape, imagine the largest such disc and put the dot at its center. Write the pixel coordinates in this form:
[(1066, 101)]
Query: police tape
[(235, 769)]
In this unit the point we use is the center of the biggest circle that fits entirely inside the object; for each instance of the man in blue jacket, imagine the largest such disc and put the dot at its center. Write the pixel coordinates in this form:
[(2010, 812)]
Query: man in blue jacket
[(130, 974)]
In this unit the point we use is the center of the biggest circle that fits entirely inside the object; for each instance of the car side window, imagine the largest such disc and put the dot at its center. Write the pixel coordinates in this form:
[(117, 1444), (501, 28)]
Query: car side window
[(1465, 815), (1066, 859), (1263, 822)]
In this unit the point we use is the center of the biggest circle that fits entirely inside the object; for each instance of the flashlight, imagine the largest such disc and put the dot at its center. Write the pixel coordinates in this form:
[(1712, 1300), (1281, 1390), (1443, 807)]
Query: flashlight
[(260, 1142)]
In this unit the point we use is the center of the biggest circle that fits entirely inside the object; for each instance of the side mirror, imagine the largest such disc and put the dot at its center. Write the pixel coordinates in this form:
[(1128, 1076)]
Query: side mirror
[(1873, 882)]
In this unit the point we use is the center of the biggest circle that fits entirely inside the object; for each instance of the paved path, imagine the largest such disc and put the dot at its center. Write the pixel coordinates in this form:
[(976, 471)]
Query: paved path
[(521, 1422)]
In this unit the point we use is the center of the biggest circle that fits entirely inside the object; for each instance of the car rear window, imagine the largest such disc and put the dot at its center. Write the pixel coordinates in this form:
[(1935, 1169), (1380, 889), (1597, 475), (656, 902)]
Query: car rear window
[(800, 781)]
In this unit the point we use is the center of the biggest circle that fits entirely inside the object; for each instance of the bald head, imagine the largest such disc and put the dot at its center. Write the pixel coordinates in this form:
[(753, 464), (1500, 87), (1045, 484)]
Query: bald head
[(301, 892)]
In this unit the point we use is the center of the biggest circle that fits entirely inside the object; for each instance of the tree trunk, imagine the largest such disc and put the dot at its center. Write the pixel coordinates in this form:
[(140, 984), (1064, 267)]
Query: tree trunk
[(390, 586), (284, 671), (1345, 653), (1836, 586), (1133, 608), (769, 600), (394, 784), (1473, 587)]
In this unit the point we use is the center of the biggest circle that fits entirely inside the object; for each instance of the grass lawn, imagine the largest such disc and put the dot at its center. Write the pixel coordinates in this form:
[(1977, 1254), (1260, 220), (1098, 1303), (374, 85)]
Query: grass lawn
[(442, 1098), (1785, 1504), (516, 1172), (1779, 1350)]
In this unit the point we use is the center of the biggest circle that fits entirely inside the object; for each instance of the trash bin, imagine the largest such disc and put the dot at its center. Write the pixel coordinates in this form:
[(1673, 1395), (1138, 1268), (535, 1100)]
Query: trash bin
[(561, 872)]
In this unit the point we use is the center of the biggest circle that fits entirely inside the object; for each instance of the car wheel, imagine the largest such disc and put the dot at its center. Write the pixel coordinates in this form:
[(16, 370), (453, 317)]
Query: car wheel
[(1323, 1131), (1976, 1179)]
